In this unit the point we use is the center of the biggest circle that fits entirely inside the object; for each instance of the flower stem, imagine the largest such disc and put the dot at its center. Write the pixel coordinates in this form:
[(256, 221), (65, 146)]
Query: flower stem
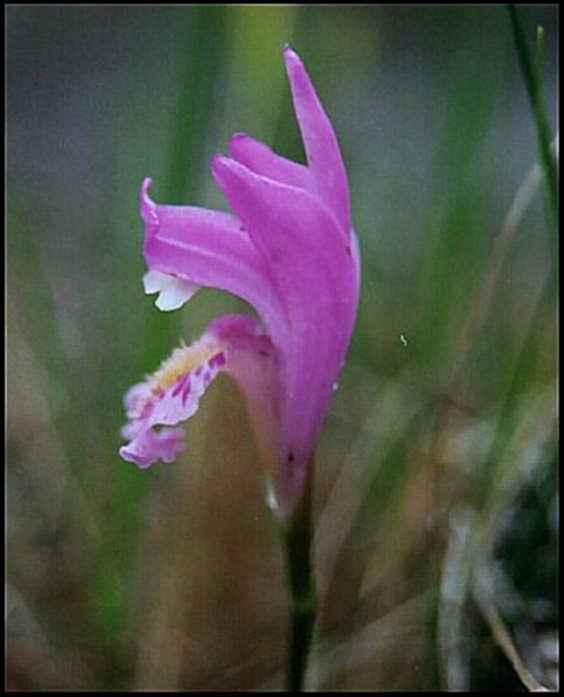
[(298, 539)]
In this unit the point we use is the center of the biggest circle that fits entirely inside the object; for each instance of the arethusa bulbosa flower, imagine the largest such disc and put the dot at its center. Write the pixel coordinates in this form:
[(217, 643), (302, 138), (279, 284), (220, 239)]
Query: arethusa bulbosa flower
[(290, 251)]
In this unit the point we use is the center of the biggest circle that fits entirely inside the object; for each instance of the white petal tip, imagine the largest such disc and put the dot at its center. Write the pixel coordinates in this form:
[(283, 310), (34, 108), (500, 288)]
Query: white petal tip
[(173, 292)]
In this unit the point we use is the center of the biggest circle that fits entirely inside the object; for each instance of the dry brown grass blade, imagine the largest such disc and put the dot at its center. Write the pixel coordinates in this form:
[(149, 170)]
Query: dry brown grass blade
[(484, 598)]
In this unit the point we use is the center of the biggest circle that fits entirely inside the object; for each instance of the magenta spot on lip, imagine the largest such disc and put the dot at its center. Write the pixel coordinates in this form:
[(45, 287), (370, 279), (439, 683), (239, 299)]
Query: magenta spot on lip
[(146, 410), (185, 393), (199, 370), (179, 385), (217, 361), (207, 376), (157, 392)]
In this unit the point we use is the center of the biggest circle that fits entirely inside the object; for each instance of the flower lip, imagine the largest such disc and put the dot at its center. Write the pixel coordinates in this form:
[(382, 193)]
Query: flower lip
[(234, 344)]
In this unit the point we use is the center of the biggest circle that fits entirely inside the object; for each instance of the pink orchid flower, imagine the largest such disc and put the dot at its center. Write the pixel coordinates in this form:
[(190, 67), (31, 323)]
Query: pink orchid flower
[(290, 251)]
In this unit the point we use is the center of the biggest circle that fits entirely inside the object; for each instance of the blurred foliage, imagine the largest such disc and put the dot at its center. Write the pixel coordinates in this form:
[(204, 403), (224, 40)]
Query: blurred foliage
[(437, 468)]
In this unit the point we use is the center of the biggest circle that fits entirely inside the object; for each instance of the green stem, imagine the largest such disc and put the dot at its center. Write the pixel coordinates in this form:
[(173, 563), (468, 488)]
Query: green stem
[(526, 361), (298, 544), (533, 85)]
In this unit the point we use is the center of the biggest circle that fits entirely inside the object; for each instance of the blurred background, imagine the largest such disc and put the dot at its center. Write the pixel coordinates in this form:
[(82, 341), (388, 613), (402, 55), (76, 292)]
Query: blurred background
[(436, 505)]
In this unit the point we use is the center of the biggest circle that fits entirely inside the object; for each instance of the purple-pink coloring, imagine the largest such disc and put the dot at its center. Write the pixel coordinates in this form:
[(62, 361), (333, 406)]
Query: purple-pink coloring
[(290, 251)]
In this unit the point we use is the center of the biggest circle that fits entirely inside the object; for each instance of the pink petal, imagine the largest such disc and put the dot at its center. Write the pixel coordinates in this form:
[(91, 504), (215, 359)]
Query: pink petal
[(314, 272), (262, 160), (206, 248), (320, 142)]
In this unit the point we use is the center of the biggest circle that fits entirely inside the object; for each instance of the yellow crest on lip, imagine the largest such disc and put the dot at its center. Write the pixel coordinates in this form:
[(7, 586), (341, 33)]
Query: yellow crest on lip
[(181, 361)]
